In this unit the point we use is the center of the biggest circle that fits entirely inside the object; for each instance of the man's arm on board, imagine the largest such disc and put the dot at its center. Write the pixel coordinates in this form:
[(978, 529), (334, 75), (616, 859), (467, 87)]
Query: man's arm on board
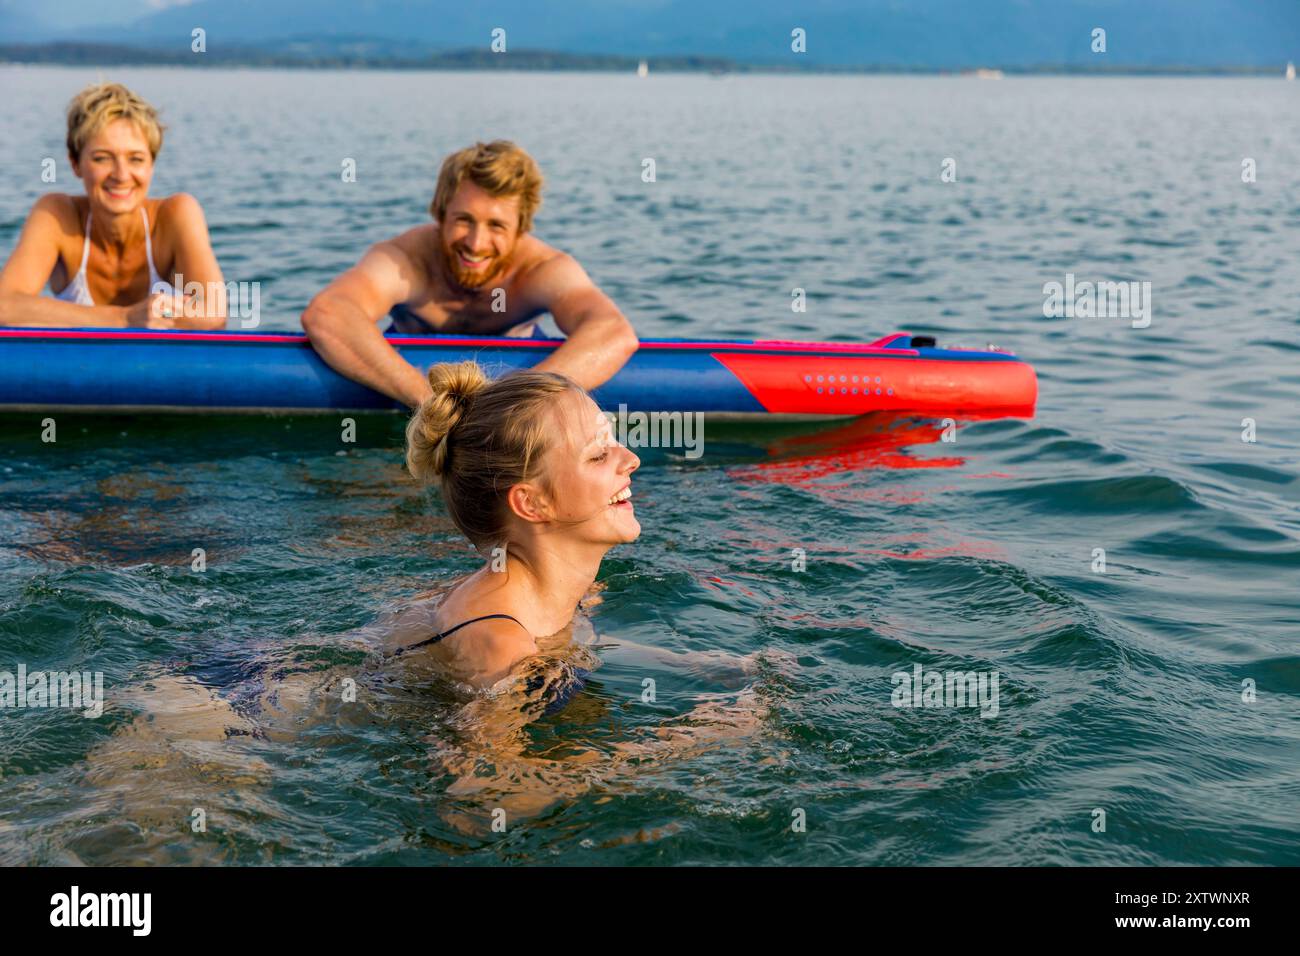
[(340, 321), (600, 339)]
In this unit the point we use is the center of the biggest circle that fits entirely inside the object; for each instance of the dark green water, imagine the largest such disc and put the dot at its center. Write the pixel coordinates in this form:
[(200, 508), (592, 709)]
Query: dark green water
[(1120, 690)]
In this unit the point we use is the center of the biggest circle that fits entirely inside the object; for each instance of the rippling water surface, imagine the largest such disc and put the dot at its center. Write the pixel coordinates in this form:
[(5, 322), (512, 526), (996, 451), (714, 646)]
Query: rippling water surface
[(1120, 691)]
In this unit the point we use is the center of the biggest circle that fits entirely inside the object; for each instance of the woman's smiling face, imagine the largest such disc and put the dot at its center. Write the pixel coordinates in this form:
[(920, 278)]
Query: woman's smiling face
[(116, 167), (589, 474)]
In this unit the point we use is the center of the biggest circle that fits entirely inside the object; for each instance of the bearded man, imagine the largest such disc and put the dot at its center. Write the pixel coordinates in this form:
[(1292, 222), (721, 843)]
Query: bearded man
[(475, 270)]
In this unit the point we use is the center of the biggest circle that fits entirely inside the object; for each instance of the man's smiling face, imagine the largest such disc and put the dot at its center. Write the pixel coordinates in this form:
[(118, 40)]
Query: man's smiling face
[(479, 235)]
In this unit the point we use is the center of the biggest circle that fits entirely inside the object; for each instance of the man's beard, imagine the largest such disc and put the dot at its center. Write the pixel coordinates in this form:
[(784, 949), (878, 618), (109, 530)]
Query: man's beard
[(473, 279)]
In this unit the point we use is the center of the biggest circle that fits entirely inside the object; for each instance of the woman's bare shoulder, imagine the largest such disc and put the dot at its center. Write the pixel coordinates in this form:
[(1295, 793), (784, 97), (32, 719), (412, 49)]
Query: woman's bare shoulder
[(178, 209), (485, 650), (64, 208)]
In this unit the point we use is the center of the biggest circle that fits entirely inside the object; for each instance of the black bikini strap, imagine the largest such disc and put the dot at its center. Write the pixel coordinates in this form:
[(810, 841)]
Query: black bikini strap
[(475, 620), (437, 637)]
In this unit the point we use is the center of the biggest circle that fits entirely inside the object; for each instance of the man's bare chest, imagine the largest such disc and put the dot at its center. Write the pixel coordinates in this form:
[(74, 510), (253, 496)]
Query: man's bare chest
[(495, 308)]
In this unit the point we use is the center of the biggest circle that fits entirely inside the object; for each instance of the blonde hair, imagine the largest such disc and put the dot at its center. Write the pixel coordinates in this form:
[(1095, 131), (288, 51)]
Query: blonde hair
[(500, 168), (477, 438), (100, 104)]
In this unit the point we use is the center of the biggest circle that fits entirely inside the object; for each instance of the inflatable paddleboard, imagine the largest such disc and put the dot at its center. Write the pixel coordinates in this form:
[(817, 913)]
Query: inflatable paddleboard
[(139, 370)]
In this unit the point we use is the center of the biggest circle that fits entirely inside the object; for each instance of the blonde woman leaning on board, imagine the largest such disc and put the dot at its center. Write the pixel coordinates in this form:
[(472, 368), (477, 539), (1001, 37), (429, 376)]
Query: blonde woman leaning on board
[(111, 256)]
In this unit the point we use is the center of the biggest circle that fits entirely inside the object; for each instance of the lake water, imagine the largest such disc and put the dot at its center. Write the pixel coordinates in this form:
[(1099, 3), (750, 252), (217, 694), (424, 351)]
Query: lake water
[(1164, 690)]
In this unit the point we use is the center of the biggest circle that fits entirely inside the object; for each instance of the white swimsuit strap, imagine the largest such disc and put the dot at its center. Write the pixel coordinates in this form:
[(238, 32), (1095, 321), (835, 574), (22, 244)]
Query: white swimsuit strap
[(85, 248), (154, 278)]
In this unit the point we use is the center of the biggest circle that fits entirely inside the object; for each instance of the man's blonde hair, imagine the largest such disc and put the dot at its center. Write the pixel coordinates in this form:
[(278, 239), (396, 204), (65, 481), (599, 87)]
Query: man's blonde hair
[(499, 168), (100, 104)]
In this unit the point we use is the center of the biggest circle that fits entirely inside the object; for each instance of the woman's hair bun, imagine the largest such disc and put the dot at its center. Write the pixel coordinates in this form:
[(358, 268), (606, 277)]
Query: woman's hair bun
[(429, 433)]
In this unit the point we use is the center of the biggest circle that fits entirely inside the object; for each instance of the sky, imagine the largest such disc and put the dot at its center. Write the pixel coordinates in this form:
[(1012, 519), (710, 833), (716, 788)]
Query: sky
[(905, 33)]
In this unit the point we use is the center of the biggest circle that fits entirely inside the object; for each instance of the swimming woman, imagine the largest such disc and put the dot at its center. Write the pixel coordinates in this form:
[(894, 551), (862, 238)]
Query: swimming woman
[(531, 474), (111, 257)]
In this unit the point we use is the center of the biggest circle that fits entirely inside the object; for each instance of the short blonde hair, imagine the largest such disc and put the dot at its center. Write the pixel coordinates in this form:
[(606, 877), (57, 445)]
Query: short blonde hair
[(500, 168), (100, 104)]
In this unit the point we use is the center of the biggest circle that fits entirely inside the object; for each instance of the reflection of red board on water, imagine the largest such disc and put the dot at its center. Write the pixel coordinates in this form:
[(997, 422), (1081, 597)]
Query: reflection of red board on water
[(181, 371), (877, 440)]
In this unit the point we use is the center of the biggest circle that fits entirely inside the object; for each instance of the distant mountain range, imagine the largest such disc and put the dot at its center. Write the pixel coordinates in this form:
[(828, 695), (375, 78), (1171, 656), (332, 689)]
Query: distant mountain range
[(902, 34)]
